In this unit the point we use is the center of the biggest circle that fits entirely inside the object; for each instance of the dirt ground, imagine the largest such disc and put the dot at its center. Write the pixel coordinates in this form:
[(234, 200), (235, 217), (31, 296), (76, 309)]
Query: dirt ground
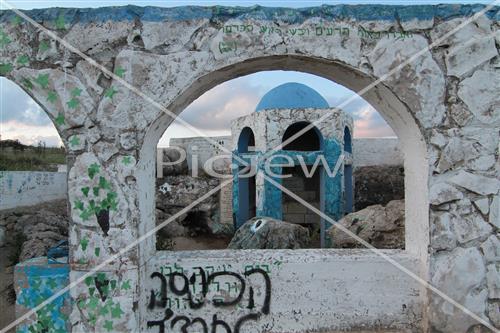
[(7, 314)]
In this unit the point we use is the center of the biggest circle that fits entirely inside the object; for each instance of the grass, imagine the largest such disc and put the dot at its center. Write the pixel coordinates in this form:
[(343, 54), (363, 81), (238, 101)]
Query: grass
[(31, 159)]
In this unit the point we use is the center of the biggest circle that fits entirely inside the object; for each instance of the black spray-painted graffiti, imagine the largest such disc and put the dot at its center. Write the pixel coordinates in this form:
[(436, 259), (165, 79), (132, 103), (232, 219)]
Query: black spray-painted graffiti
[(179, 284)]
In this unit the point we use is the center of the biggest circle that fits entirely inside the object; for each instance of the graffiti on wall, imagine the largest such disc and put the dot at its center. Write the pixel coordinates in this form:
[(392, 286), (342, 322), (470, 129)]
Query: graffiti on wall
[(220, 287)]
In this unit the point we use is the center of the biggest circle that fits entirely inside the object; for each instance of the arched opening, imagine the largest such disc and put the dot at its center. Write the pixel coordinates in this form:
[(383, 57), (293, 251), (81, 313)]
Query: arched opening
[(307, 187), (308, 141), (383, 99), (246, 142), (33, 195), (246, 184)]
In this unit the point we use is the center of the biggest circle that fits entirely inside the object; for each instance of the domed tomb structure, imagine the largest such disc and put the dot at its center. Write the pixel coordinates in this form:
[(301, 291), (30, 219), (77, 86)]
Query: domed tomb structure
[(295, 138)]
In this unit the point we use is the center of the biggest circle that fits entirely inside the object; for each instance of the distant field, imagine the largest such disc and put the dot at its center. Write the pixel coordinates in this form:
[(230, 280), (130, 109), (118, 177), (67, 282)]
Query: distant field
[(31, 159)]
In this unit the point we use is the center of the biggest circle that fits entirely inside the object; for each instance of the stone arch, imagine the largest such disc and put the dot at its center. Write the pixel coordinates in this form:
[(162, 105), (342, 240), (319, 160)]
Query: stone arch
[(388, 101)]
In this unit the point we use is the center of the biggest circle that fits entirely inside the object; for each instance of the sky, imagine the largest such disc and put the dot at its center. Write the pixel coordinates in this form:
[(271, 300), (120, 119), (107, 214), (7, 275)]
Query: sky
[(21, 118)]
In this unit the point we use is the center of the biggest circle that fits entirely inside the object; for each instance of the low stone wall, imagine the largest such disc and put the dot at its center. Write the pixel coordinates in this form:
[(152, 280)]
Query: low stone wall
[(27, 188)]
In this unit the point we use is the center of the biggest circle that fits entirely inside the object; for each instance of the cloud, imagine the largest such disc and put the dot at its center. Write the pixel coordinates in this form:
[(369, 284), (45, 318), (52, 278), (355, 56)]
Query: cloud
[(30, 134), (17, 105)]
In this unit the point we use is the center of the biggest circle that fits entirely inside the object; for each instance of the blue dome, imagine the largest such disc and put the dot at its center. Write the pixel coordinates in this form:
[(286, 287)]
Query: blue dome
[(292, 95)]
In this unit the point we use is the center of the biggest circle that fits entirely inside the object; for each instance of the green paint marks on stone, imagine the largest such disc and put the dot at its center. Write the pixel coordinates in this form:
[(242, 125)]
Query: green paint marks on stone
[(60, 23), (93, 302), (43, 46), (85, 191), (116, 311), (16, 20), (110, 92), (88, 281), (84, 242), (126, 285), (97, 251), (103, 183), (5, 69), (103, 310), (112, 283), (23, 59), (119, 71), (73, 103), (74, 141), (92, 170), (79, 205), (4, 39), (51, 97), (108, 325), (76, 92), (42, 80), (60, 119), (126, 160)]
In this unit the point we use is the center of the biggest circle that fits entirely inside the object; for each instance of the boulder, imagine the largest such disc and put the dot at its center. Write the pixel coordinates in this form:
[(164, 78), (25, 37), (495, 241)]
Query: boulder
[(382, 227), (175, 161), (268, 233), (377, 185)]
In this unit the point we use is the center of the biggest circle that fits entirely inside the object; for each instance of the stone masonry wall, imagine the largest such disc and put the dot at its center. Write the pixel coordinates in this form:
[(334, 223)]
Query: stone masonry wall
[(441, 99)]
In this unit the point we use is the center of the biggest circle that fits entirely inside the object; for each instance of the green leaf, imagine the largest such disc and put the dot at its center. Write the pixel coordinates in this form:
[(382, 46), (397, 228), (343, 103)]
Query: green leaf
[(93, 170), (4, 39), (89, 281), (116, 312), (79, 205), (60, 23), (126, 160), (110, 92), (86, 214), (73, 103), (119, 71), (101, 277), (43, 46), (84, 242), (97, 251), (85, 191), (16, 20), (108, 325), (74, 141), (51, 97), (76, 92), (126, 285), (94, 301), (103, 183), (42, 80), (95, 190), (23, 59), (103, 310), (60, 119), (5, 68), (112, 283)]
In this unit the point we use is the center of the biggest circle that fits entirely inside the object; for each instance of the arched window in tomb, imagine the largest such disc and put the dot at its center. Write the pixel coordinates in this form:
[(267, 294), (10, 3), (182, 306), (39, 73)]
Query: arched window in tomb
[(348, 180), (246, 182)]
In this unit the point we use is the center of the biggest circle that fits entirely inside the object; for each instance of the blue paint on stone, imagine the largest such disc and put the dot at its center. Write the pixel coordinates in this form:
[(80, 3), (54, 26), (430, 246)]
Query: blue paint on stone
[(38, 280), (220, 14), (292, 95)]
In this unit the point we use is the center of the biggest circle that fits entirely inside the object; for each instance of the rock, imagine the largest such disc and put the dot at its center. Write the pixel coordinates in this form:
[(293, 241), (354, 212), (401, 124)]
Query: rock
[(470, 228), (443, 237), (494, 313), (491, 249), (382, 227), (494, 217), (377, 185), (441, 193), (2, 236), (480, 93), (469, 48), (174, 161), (493, 281), (475, 183), (422, 89), (482, 205), (458, 274), (268, 233)]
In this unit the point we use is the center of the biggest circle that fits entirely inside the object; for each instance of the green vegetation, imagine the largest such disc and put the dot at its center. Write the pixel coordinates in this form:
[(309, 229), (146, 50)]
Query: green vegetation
[(14, 156)]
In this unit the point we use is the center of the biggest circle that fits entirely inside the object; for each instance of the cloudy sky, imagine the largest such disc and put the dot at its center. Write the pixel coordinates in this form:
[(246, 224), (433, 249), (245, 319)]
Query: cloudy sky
[(21, 118)]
